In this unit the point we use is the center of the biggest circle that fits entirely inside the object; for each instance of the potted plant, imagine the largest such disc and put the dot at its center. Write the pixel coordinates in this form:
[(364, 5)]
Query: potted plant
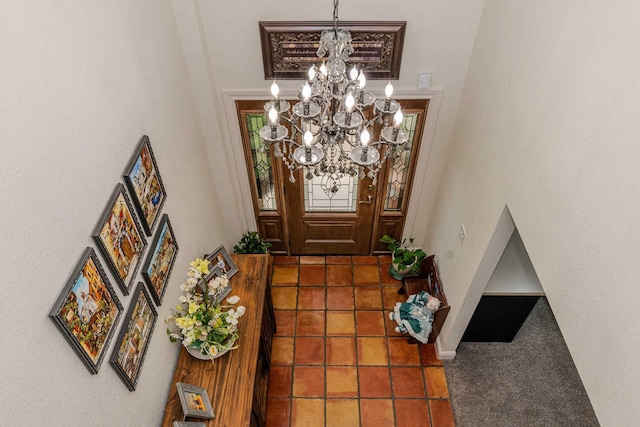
[(405, 259), (251, 243)]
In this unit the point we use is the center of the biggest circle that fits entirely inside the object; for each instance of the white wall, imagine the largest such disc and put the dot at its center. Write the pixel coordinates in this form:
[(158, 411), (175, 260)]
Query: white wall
[(548, 126), (514, 273), (80, 83)]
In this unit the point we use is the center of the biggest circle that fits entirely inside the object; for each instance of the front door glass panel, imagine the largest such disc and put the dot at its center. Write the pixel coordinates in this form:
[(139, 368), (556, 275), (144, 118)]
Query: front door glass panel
[(397, 182), (261, 163)]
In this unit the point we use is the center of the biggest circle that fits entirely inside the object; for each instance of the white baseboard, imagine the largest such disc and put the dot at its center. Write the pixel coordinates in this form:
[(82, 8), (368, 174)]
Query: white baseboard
[(444, 354)]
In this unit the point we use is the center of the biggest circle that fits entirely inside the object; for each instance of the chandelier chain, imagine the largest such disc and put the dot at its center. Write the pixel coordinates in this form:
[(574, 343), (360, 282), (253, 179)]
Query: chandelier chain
[(335, 15)]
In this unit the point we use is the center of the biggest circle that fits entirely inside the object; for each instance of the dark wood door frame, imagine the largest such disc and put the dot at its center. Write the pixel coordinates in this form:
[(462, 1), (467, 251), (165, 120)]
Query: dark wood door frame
[(273, 225)]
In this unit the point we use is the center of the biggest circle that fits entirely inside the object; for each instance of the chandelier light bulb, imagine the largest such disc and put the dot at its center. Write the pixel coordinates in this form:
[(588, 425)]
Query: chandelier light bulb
[(306, 92), (397, 121), (275, 90), (353, 74), (364, 137), (311, 73), (308, 138), (349, 102), (323, 69), (273, 115), (388, 90), (398, 117), (362, 80), (273, 119)]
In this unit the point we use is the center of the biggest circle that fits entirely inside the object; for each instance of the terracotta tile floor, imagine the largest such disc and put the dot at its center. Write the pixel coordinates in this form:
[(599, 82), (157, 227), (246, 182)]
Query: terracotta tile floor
[(337, 360)]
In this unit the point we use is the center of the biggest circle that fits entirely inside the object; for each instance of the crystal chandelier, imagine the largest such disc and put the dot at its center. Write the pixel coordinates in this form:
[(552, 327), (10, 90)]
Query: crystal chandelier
[(332, 123)]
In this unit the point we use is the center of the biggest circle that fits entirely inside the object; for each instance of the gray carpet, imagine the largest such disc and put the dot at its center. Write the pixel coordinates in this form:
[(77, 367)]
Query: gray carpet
[(531, 381)]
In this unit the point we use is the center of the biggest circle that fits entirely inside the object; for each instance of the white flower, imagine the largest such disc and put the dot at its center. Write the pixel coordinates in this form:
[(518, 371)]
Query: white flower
[(213, 350), (219, 282), (241, 310), (233, 300), (232, 317), (182, 299)]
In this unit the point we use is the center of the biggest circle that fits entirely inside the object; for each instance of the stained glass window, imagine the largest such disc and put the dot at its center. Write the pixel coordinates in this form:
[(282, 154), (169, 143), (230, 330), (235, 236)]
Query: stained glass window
[(319, 194), (400, 167), (262, 167)]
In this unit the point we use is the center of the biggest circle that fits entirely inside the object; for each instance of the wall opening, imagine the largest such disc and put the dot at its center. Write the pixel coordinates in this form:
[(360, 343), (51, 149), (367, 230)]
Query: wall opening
[(510, 295)]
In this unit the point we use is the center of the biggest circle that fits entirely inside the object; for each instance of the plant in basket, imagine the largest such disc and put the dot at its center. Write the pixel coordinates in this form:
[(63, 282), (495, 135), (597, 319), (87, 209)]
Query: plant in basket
[(204, 326)]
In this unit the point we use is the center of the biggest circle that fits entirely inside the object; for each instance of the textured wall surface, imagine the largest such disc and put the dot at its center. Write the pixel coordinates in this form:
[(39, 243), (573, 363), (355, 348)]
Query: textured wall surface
[(81, 82), (548, 126)]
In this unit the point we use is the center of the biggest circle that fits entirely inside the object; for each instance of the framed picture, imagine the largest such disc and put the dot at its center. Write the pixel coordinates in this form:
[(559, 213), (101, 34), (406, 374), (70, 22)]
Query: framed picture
[(222, 263), (157, 268), (289, 48), (120, 238), (133, 340), (188, 424), (195, 401), (87, 311), (143, 180)]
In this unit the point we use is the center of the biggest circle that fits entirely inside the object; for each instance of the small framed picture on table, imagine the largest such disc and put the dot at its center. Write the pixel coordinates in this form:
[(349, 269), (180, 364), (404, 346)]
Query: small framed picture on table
[(222, 263), (195, 401)]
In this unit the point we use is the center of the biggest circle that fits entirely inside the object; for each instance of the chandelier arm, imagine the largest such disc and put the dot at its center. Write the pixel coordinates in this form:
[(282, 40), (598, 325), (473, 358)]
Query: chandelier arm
[(349, 84), (370, 122), (296, 127), (292, 142)]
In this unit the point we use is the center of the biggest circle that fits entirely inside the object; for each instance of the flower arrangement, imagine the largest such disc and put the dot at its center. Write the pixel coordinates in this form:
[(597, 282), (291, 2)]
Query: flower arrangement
[(201, 323)]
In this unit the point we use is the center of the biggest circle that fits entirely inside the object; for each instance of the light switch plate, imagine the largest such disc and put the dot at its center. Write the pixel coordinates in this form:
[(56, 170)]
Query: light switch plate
[(462, 233)]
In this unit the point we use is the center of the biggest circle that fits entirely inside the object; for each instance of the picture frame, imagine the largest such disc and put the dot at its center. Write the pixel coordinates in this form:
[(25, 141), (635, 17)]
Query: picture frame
[(188, 424), (195, 401), (133, 339), (120, 238), (289, 48), (221, 262), (88, 310), (157, 267), (143, 180)]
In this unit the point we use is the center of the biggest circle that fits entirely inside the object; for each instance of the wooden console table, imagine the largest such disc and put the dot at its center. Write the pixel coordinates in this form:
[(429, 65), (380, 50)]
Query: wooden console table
[(236, 382)]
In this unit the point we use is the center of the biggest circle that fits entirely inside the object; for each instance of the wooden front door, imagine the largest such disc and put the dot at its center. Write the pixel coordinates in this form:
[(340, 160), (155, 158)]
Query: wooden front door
[(327, 217), (306, 217)]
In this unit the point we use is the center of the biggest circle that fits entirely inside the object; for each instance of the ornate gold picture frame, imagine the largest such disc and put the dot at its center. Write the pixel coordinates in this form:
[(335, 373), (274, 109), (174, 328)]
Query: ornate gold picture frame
[(289, 48)]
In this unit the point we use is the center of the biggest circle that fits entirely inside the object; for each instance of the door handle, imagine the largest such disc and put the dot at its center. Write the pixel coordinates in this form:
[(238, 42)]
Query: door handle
[(369, 199)]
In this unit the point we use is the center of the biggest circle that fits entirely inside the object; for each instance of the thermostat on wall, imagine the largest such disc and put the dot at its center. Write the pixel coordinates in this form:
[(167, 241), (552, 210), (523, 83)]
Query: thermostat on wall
[(424, 81)]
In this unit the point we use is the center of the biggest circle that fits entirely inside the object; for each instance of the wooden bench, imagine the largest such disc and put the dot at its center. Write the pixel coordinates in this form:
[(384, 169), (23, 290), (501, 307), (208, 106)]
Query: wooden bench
[(428, 280)]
